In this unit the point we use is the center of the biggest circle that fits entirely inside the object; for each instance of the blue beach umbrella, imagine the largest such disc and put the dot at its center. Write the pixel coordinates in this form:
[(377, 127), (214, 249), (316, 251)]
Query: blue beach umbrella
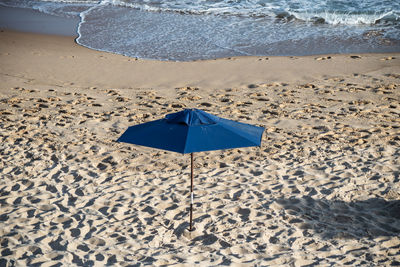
[(193, 130)]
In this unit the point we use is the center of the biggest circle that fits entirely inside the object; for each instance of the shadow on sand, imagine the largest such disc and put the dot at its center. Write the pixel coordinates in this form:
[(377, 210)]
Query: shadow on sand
[(345, 220)]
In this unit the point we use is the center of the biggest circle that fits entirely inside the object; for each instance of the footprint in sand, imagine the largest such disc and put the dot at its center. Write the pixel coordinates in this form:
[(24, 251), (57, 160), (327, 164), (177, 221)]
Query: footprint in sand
[(176, 105), (307, 86), (205, 104), (112, 93), (252, 86), (96, 105), (122, 99), (188, 88), (387, 58), (323, 58), (192, 98), (392, 75)]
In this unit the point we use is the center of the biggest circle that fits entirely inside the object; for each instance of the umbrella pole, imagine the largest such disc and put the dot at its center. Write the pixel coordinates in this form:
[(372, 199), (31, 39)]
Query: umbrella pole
[(191, 193)]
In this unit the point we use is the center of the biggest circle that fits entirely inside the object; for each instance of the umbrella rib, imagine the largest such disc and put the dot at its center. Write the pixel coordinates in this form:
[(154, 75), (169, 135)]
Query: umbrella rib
[(186, 140)]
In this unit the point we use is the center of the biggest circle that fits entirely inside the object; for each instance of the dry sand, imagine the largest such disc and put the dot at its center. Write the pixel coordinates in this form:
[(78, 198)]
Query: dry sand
[(322, 190)]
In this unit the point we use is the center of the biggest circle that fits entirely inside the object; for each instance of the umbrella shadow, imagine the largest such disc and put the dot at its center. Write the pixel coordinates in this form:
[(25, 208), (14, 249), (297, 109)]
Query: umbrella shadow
[(345, 220)]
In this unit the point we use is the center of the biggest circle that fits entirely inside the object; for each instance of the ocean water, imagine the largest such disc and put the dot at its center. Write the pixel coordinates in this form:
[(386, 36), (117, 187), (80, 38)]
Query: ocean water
[(183, 30)]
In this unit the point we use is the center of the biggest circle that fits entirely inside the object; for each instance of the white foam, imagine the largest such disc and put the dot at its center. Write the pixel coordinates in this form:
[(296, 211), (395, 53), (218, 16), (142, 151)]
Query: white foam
[(239, 8), (61, 8), (348, 13), (73, 1), (335, 18)]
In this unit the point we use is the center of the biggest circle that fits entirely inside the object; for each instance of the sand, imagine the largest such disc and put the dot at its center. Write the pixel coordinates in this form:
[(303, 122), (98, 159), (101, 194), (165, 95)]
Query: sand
[(322, 190)]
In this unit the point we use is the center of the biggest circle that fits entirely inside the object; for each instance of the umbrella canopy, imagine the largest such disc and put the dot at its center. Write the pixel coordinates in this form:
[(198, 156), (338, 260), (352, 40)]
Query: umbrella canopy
[(193, 130)]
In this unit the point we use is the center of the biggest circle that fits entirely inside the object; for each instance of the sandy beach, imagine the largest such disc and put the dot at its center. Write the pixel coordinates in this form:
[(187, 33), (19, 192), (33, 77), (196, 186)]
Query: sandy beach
[(322, 190)]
